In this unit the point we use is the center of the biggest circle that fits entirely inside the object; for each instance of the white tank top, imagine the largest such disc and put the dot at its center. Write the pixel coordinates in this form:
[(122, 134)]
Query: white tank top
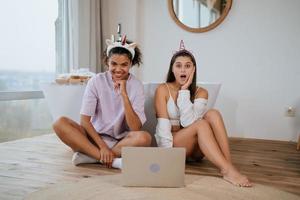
[(173, 112)]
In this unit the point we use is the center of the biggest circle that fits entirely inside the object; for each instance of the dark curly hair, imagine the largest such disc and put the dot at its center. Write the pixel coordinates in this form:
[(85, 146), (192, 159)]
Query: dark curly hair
[(137, 60)]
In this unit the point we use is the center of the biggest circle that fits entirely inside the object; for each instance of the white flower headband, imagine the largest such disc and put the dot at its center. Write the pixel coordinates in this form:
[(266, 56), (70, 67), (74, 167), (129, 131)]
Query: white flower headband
[(112, 44)]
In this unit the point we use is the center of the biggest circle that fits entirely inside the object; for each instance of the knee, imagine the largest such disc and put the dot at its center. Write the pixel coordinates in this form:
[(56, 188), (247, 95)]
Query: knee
[(143, 138), (59, 123), (212, 114), (202, 125)]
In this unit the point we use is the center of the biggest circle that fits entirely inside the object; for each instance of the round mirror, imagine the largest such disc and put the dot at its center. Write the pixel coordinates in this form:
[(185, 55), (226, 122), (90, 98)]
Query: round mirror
[(199, 15)]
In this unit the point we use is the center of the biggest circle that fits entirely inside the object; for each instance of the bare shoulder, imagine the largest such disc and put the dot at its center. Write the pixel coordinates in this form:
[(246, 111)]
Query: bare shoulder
[(201, 93), (161, 89)]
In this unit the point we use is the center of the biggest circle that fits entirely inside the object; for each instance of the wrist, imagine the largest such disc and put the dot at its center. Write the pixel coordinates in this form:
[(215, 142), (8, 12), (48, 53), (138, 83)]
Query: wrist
[(124, 95), (183, 92), (184, 87), (102, 145)]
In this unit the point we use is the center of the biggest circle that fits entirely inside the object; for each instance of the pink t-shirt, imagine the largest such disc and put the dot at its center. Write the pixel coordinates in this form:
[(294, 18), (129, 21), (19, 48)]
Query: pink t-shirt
[(105, 105)]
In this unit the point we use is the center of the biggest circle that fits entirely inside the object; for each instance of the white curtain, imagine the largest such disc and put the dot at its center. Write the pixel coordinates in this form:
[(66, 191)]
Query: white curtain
[(78, 35)]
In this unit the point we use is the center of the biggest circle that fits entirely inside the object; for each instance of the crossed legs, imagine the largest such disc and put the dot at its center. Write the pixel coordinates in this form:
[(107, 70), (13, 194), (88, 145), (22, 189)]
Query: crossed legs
[(74, 136)]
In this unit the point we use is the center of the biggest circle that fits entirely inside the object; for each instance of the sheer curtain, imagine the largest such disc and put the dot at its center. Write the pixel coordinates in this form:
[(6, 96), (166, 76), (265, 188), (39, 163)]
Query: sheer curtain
[(78, 36)]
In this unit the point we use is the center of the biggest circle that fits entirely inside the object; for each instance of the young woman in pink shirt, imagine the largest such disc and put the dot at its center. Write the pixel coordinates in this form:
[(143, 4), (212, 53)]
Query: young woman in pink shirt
[(112, 111)]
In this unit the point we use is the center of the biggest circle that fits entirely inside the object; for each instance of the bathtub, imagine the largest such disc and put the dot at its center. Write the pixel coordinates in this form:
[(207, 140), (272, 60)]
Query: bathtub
[(65, 100)]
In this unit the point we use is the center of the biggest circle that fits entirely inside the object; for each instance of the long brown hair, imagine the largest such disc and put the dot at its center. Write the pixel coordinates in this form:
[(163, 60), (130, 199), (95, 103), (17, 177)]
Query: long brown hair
[(171, 78)]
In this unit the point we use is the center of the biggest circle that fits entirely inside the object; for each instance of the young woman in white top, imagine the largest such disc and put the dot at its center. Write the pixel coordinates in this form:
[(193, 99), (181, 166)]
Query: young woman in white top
[(184, 121)]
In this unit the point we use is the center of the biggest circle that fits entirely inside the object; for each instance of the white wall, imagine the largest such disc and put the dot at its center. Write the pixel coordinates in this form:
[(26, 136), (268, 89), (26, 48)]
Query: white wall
[(254, 53)]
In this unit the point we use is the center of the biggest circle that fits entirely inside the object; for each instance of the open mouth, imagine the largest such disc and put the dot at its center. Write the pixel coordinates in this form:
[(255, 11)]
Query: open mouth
[(183, 76)]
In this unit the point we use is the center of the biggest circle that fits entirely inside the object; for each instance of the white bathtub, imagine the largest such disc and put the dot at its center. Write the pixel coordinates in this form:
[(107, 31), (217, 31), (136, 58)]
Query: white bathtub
[(65, 100)]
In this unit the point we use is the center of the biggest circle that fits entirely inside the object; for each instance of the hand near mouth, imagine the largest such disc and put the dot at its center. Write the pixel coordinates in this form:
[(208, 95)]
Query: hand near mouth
[(189, 81), (120, 85)]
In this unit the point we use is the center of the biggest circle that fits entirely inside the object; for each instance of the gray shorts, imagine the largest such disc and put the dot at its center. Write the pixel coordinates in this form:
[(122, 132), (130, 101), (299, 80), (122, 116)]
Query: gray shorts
[(110, 140)]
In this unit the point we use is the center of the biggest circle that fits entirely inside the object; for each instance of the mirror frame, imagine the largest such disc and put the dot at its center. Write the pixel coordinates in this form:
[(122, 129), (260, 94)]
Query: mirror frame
[(199, 30)]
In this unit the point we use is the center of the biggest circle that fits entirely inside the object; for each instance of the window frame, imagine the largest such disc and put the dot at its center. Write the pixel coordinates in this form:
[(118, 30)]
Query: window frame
[(21, 95)]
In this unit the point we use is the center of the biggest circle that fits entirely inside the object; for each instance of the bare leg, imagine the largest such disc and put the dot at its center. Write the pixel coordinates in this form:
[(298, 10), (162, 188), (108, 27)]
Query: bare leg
[(214, 118), (133, 139), (73, 135), (201, 132)]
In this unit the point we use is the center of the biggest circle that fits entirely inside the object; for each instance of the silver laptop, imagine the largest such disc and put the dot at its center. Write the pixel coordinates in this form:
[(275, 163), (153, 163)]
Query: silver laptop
[(153, 166)]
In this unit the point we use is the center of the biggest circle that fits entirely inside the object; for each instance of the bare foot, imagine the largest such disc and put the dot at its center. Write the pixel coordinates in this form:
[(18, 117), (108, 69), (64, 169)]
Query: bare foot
[(233, 176)]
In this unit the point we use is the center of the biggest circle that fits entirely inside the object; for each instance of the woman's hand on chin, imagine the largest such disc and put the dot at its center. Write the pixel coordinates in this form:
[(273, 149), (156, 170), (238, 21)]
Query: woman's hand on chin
[(120, 85)]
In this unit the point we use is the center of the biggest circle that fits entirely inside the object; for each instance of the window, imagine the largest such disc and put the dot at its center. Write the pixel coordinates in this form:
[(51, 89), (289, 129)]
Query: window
[(27, 43), (27, 59)]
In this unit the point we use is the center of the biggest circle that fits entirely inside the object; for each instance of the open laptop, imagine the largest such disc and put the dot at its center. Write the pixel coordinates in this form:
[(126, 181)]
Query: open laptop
[(153, 166)]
